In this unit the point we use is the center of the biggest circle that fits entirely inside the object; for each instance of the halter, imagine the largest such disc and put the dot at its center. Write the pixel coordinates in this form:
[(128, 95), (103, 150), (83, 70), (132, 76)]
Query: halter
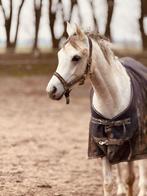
[(81, 79)]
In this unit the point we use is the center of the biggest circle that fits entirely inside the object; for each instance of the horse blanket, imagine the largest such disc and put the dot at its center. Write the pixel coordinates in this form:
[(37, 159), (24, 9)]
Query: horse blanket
[(124, 137)]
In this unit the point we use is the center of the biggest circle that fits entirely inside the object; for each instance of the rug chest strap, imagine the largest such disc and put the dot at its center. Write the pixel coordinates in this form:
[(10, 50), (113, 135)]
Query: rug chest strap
[(109, 140), (106, 141)]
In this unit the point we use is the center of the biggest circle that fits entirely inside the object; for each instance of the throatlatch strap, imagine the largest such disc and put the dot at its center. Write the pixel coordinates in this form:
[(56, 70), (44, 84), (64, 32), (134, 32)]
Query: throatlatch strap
[(90, 57)]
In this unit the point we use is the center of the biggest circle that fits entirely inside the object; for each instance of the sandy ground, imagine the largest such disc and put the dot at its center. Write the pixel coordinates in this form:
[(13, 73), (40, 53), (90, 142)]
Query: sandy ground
[(43, 143)]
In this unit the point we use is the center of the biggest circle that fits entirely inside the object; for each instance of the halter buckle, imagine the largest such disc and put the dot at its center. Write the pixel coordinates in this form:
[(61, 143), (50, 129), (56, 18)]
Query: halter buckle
[(66, 94), (82, 80)]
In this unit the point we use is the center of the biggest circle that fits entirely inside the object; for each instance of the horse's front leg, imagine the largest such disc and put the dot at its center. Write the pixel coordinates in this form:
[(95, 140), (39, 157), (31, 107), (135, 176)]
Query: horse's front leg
[(107, 177), (130, 178), (121, 190), (142, 178)]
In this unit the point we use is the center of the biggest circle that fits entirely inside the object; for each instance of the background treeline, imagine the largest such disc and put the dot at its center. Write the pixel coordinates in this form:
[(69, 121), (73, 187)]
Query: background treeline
[(52, 14)]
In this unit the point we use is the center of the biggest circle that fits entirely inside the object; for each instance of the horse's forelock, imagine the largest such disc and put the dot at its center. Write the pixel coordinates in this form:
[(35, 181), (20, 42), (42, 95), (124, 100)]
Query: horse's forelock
[(73, 41)]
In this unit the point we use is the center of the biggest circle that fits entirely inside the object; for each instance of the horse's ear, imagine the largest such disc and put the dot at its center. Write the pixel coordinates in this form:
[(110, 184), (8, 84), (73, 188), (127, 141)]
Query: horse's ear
[(80, 33), (70, 29)]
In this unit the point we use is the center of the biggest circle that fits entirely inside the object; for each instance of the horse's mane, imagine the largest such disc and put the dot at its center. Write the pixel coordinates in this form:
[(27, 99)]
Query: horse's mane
[(96, 36), (103, 43)]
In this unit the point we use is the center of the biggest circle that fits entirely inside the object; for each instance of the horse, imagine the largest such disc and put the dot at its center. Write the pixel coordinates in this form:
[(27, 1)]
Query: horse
[(89, 55)]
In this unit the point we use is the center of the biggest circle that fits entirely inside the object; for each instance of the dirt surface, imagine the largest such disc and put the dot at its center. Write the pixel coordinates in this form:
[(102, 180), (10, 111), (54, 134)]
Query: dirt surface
[(43, 143)]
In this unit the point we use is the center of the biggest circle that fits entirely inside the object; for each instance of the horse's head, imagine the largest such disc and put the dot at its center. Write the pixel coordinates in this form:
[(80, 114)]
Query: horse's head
[(72, 66)]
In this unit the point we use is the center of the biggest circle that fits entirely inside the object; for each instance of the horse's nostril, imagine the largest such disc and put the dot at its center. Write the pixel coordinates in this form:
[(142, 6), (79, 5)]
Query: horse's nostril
[(54, 90)]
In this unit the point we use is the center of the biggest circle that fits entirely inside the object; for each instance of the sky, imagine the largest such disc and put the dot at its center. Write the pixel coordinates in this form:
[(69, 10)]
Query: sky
[(124, 24)]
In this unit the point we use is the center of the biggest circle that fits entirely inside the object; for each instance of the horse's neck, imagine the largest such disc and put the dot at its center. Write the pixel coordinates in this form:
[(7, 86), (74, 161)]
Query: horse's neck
[(111, 84)]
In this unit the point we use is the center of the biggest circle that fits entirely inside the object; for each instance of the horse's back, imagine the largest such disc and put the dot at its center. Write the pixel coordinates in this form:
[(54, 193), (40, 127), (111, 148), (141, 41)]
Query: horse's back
[(138, 74), (135, 66)]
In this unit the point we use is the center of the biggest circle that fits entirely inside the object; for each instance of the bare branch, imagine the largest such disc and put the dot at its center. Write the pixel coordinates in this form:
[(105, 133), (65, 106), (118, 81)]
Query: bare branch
[(4, 13), (94, 17), (143, 14), (18, 22), (8, 22), (73, 3), (37, 10), (109, 17), (52, 18)]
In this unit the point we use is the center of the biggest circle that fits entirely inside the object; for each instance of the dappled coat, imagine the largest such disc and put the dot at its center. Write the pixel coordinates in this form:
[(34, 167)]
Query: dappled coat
[(124, 137)]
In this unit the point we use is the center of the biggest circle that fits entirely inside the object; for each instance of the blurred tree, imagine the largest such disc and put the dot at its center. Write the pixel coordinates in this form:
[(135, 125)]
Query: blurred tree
[(8, 21), (8, 24), (52, 18), (74, 3), (18, 23), (110, 4), (37, 11), (94, 17), (59, 7), (143, 14), (63, 19)]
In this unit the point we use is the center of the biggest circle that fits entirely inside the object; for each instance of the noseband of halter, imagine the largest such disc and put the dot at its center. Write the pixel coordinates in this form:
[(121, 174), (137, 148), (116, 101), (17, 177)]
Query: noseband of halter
[(81, 79)]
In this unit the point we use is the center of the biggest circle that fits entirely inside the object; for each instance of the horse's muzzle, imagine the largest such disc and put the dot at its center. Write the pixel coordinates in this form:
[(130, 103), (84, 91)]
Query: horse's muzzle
[(53, 94)]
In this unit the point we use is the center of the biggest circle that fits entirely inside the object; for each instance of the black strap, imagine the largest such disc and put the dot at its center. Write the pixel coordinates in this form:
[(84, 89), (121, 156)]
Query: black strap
[(90, 57), (125, 121)]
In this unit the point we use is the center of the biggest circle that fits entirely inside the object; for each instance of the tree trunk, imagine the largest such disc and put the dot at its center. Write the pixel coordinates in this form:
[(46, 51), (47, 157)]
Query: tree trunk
[(63, 18), (109, 18), (52, 18), (37, 10), (94, 17), (8, 22), (18, 23), (73, 4), (143, 14), (11, 45)]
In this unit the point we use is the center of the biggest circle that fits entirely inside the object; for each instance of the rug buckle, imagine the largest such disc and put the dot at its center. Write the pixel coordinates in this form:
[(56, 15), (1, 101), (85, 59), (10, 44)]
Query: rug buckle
[(103, 142)]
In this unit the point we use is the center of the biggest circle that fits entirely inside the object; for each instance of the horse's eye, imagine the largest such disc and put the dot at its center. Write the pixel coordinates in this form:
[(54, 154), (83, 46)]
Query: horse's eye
[(76, 58)]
